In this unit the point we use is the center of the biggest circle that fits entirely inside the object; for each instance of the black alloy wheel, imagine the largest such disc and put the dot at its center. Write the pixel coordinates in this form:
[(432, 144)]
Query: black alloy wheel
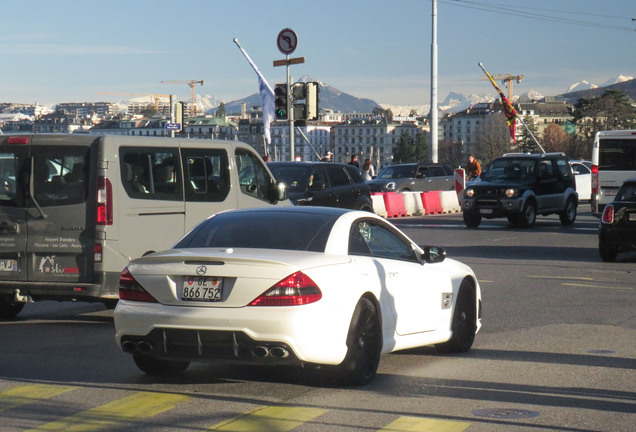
[(364, 343)]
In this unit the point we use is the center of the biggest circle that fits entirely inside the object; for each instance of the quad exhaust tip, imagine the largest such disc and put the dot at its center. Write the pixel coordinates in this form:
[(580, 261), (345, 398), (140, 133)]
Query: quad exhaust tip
[(277, 352)]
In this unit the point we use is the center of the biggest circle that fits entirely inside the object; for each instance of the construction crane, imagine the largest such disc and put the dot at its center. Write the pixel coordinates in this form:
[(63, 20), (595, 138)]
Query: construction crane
[(506, 79), (192, 84), (155, 97)]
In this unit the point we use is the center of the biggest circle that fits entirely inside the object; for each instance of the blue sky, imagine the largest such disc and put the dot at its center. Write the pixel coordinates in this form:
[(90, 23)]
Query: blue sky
[(71, 51)]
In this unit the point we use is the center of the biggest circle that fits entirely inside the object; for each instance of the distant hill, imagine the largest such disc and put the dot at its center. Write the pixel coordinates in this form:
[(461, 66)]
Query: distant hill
[(629, 87), (329, 98)]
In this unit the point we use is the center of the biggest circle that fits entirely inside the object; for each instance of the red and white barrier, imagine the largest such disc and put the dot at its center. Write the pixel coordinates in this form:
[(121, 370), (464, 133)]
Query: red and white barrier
[(392, 204)]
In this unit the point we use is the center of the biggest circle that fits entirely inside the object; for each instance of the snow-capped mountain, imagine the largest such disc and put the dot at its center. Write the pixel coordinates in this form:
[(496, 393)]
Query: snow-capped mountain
[(583, 85)]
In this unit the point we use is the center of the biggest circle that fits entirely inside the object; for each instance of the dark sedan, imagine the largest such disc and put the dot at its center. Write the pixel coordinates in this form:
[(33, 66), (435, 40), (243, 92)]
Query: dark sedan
[(617, 232), (323, 184), (418, 177)]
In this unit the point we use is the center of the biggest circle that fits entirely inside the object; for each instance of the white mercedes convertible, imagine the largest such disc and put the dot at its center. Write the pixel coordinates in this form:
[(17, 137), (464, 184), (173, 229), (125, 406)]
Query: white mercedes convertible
[(295, 286)]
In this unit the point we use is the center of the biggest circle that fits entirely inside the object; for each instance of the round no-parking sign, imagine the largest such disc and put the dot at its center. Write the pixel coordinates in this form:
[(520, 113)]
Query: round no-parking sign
[(287, 41)]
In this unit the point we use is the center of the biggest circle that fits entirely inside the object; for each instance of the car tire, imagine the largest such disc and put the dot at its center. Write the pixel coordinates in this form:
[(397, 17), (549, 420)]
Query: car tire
[(9, 308), (568, 216), (607, 252), (472, 219), (528, 215), (160, 367), (464, 324), (364, 345)]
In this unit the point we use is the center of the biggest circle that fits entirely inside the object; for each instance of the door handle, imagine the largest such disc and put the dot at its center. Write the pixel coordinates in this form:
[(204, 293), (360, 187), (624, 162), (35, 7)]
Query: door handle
[(7, 228)]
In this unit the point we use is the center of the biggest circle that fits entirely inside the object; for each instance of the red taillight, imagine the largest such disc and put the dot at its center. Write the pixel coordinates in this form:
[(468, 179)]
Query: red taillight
[(18, 140), (97, 252), (295, 290), (608, 214), (129, 289), (104, 201), (595, 179)]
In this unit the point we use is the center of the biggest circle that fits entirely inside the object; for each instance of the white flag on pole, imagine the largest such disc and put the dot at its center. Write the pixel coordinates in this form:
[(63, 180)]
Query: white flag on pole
[(267, 95)]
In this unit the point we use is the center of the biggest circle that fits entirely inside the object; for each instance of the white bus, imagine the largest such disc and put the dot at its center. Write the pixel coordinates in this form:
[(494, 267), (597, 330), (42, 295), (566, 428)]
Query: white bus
[(613, 161)]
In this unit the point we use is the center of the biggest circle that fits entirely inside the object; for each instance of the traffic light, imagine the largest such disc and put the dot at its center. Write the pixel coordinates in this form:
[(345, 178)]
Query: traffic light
[(298, 91), (281, 100), (311, 100)]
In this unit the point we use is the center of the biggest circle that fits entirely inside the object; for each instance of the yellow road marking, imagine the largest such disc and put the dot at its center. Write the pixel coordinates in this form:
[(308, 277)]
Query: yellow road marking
[(127, 410), (597, 286), (270, 419), (562, 277), (419, 424), (26, 394)]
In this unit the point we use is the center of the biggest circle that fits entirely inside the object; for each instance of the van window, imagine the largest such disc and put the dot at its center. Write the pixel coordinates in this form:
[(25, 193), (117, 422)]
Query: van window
[(253, 177), (151, 173), (59, 176), (8, 175), (207, 174)]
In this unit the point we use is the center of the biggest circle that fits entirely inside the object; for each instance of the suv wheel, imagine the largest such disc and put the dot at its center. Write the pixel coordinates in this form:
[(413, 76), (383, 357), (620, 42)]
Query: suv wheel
[(472, 219), (568, 216), (528, 215)]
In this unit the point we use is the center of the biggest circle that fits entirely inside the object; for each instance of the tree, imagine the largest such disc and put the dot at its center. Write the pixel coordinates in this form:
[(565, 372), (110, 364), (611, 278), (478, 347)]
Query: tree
[(409, 149), (221, 111), (451, 153), (526, 142), (612, 110), (493, 139), (555, 139)]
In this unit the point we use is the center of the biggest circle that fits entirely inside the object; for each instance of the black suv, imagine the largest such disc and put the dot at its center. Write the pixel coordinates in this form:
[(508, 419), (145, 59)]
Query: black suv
[(520, 186), (323, 184), (419, 177)]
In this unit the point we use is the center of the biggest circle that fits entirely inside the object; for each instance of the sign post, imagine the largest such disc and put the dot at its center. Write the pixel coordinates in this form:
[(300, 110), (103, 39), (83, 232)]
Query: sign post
[(287, 42)]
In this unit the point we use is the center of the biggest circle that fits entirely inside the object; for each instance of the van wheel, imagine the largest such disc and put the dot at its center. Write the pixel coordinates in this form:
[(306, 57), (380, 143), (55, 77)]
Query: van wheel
[(9, 308)]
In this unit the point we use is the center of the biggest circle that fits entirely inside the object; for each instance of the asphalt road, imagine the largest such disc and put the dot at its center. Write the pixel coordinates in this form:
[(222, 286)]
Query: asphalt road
[(557, 352)]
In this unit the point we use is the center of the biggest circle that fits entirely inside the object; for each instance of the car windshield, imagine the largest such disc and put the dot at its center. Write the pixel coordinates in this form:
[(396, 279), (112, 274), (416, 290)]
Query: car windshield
[(626, 193), (510, 169), (404, 171), (263, 230), (295, 177)]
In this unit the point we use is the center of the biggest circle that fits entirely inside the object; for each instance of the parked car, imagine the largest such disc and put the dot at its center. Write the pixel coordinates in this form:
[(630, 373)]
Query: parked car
[(583, 177), (617, 232), (323, 184), (419, 177), (294, 287), (520, 186)]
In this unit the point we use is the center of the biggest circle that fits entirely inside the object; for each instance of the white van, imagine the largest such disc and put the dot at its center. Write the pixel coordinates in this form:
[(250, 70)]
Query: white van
[(613, 161), (74, 209)]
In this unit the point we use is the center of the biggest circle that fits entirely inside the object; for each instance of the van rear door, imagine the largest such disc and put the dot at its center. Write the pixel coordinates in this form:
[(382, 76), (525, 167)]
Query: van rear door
[(14, 158), (48, 220)]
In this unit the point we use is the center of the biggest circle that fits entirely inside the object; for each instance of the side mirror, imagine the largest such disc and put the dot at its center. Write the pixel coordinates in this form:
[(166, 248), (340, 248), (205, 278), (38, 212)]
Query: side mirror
[(278, 192), (318, 185), (433, 254)]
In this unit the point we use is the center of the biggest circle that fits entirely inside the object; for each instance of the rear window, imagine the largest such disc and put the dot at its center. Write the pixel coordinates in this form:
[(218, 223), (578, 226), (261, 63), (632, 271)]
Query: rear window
[(60, 175), (626, 193), (267, 230), (617, 154)]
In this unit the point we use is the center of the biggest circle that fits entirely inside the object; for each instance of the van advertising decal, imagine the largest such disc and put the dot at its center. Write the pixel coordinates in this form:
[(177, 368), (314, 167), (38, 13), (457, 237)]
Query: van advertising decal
[(50, 266)]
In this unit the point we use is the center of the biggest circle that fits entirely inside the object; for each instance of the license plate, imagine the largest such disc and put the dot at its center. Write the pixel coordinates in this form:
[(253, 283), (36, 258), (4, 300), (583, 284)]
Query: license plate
[(202, 288), (610, 192), (8, 265), (485, 211), (632, 217)]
